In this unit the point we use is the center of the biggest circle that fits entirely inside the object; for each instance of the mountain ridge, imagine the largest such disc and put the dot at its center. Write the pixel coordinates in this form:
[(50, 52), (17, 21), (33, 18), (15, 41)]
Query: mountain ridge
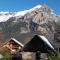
[(14, 14), (21, 13), (40, 20)]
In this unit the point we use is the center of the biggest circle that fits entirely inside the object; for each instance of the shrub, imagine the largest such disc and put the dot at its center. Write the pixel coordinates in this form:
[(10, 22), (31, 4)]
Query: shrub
[(6, 54), (54, 57)]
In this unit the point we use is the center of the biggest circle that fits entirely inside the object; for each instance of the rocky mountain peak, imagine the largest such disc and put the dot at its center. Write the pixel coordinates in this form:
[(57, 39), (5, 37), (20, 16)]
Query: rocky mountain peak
[(40, 19)]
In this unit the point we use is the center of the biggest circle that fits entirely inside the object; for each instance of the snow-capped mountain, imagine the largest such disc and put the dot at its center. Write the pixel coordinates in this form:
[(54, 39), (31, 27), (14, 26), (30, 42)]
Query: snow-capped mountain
[(27, 11), (40, 19), (4, 16)]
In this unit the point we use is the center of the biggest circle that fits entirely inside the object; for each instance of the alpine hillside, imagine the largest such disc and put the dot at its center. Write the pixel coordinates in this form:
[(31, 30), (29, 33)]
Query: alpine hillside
[(23, 25)]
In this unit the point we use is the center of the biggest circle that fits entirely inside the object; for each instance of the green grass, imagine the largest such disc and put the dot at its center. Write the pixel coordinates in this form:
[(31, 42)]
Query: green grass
[(54, 57), (6, 54)]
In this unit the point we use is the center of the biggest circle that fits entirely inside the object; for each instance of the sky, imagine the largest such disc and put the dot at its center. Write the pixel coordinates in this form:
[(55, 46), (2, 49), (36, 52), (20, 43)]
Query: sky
[(20, 5)]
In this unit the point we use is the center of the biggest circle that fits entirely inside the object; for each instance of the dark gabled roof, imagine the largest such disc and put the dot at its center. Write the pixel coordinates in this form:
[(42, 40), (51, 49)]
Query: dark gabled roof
[(39, 43)]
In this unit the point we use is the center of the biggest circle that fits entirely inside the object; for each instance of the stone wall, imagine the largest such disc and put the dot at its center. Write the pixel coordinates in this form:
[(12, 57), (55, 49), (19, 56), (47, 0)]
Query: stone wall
[(32, 56)]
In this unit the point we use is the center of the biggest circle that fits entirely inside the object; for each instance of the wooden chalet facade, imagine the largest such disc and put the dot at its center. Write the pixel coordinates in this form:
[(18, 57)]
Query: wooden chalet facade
[(13, 45)]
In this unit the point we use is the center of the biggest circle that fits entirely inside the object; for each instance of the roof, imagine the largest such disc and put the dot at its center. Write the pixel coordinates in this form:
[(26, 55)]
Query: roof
[(16, 42), (39, 43), (46, 41)]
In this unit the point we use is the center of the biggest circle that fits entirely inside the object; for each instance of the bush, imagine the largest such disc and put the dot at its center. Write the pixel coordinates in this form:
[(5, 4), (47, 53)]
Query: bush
[(54, 57), (6, 54)]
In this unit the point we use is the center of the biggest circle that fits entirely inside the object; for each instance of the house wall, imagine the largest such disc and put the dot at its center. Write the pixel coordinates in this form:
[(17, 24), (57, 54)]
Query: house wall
[(28, 56), (12, 46), (32, 56)]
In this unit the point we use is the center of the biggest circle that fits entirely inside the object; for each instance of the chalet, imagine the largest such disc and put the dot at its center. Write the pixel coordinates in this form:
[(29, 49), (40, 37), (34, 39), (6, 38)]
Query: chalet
[(13, 45), (41, 46), (39, 43)]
